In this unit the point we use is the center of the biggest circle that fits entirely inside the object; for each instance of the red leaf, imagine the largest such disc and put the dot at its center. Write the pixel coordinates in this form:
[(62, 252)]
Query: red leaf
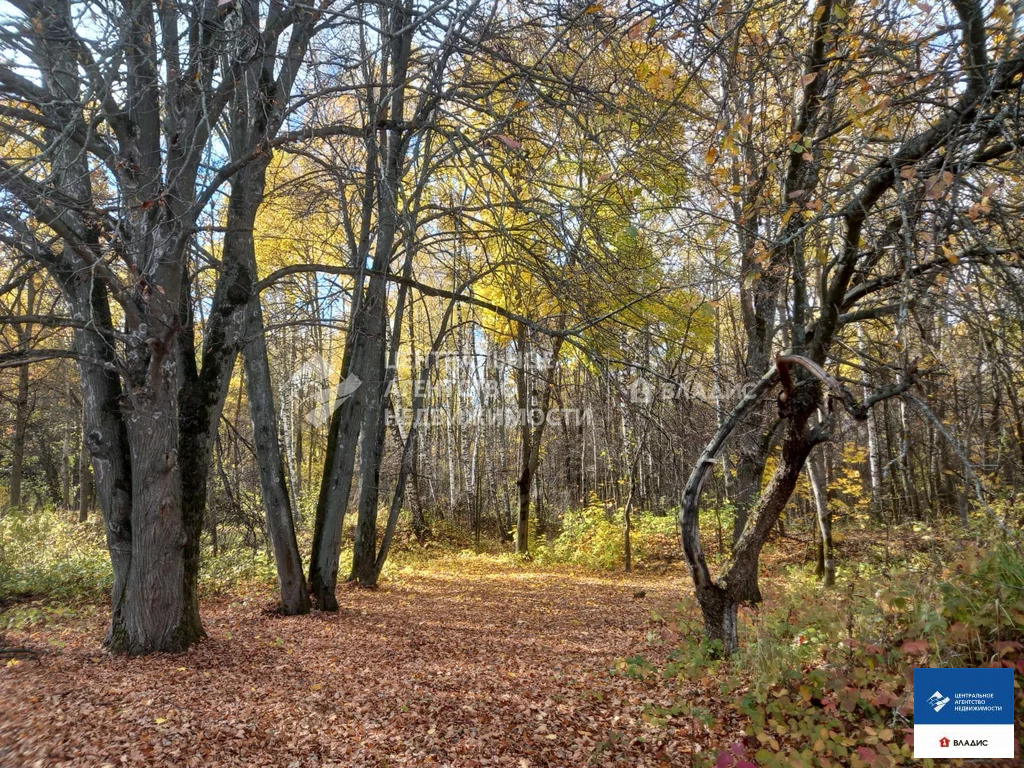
[(509, 142), (912, 647), (1003, 647)]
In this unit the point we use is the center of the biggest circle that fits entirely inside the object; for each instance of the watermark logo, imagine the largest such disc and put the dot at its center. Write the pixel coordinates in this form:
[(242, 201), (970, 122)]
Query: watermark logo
[(327, 400), (963, 713), (938, 701), (316, 381), (486, 387)]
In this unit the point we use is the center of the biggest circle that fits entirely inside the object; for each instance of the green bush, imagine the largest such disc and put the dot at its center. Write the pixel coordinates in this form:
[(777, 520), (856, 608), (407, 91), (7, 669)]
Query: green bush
[(821, 676), (983, 604), (591, 537), (234, 570), (594, 537), (45, 555), (655, 538)]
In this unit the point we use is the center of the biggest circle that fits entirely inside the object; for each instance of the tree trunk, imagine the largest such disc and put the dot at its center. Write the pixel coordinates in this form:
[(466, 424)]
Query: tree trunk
[(21, 405), (339, 466), (420, 528), (84, 484), (372, 349), (410, 442), (346, 413), (531, 436), (159, 613), (719, 599), (721, 618), (819, 489), (21, 401), (525, 447), (292, 438), (104, 433), (154, 606), (276, 500), (364, 552), (367, 562), (65, 468), (626, 534), (749, 477), (874, 459)]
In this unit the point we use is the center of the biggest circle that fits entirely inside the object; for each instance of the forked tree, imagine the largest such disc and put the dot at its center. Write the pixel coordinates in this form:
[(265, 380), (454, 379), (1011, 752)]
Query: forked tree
[(114, 115), (953, 122)]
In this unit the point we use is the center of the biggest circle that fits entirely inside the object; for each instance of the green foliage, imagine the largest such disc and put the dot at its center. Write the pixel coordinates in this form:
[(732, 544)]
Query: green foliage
[(983, 605), (591, 537), (234, 570), (43, 554), (822, 677), (655, 538), (594, 537), (51, 563)]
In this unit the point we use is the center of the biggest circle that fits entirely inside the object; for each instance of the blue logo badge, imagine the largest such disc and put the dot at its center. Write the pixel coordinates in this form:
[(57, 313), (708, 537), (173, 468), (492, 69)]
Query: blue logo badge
[(963, 713), (963, 696)]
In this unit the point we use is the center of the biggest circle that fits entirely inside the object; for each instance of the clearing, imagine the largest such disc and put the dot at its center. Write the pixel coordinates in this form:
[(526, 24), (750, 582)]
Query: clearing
[(496, 666)]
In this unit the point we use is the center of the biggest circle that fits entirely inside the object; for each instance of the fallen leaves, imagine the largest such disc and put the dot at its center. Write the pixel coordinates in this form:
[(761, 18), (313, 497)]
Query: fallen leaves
[(442, 668)]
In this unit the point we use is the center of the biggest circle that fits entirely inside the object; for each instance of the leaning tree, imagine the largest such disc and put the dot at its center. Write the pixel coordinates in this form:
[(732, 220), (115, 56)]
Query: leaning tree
[(897, 129)]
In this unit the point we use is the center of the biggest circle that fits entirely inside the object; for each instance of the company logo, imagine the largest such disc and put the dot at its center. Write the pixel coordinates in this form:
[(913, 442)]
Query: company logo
[(963, 713), (944, 741), (938, 701)]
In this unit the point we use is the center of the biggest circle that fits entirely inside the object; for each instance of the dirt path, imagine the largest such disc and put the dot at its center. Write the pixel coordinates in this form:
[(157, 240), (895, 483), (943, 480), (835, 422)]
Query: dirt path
[(503, 668)]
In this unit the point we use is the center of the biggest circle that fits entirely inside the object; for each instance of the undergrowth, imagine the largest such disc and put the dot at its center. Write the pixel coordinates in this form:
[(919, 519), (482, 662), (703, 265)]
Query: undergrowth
[(825, 677), (594, 538), (52, 566)]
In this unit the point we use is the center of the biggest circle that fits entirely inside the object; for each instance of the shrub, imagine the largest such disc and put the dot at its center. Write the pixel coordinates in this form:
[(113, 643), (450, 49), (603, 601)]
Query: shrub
[(236, 569), (591, 537), (45, 555), (822, 676), (594, 537)]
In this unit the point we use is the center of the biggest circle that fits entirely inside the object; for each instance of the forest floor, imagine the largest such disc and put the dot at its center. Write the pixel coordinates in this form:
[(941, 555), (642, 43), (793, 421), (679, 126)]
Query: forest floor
[(451, 666)]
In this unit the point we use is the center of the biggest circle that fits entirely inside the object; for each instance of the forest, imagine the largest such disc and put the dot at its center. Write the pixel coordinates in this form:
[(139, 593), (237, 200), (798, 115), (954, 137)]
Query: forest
[(491, 382)]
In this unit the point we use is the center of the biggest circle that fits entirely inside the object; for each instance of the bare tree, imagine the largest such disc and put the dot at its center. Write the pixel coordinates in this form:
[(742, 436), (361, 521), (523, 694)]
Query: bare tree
[(958, 135), (135, 98)]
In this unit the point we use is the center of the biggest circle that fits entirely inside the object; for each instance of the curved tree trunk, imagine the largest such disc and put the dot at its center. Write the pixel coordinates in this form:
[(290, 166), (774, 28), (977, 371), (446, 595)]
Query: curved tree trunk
[(720, 598)]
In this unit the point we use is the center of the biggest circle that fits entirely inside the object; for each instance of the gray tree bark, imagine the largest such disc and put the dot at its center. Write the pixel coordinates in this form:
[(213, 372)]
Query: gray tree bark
[(23, 332), (276, 499), (823, 514)]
